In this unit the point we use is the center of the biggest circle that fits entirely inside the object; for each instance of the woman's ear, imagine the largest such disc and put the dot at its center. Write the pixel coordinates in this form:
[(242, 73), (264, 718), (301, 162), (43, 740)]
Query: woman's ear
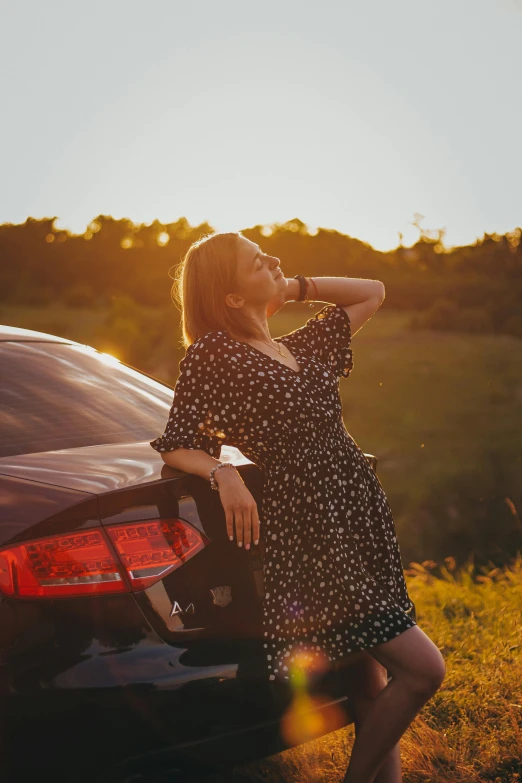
[(234, 300)]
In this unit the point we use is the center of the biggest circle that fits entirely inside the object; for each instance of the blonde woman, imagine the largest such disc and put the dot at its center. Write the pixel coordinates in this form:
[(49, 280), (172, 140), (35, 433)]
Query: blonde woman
[(335, 588)]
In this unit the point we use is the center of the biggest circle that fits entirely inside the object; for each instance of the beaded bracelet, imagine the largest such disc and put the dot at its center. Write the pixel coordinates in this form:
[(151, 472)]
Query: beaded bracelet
[(213, 483)]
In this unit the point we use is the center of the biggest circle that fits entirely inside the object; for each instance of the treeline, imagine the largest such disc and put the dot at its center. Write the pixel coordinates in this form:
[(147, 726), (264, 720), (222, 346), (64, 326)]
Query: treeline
[(472, 288)]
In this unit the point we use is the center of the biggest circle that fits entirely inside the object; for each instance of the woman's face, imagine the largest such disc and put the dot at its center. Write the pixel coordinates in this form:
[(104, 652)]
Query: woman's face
[(259, 276)]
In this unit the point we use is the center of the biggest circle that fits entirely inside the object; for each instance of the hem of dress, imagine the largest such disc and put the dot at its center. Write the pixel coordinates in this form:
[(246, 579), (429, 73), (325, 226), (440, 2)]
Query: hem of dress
[(363, 640)]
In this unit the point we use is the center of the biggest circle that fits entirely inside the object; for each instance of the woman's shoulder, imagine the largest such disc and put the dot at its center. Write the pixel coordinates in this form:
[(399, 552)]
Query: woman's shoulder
[(214, 346), (207, 341), (213, 340), (212, 358)]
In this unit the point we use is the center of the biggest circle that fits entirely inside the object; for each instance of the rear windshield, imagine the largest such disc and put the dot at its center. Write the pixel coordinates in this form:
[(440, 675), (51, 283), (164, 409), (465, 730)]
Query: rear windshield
[(59, 396)]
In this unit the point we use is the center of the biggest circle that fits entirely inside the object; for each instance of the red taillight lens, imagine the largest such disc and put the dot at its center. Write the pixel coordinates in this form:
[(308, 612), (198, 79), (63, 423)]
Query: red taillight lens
[(149, 550), (76, 564), (86, 564)]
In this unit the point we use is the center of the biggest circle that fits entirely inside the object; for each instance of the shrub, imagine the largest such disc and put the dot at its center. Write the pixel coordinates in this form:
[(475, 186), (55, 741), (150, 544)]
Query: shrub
[(474, 320), (443, 314), (446, 315), (513, 325), (79, 295)]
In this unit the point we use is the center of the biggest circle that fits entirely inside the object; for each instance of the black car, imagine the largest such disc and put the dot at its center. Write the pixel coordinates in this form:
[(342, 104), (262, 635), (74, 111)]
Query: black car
[(130, 626)]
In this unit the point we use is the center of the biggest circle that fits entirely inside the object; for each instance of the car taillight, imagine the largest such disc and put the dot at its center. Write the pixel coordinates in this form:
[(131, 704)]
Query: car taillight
[(149, 550), (117, 559)]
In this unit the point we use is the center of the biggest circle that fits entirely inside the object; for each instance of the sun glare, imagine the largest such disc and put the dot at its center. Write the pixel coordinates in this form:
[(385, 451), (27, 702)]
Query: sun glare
[(163, 239)]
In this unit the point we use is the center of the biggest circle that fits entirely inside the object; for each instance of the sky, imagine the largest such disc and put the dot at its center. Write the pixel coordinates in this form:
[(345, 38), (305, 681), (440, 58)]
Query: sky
[(352, 116)]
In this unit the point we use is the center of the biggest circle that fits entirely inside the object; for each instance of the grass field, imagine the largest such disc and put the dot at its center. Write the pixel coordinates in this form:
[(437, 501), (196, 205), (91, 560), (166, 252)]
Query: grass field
[(435, 408), (471, 729)]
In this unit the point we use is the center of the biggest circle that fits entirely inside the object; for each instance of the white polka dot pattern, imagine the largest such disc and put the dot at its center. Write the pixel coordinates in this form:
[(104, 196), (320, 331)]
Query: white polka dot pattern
[(327, 335), (333, 573), (208, 399)]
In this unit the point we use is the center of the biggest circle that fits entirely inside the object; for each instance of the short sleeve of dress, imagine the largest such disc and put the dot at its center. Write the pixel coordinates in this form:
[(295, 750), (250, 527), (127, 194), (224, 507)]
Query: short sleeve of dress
[(327, 335), (207, 404)]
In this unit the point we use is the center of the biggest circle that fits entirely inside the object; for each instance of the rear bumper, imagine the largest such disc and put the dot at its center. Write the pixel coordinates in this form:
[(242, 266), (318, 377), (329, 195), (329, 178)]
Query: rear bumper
[(99, 690), (112, 733), (239, 746)]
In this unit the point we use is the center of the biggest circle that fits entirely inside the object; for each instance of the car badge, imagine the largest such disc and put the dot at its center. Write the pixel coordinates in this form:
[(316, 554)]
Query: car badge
[(176, 609), (221, 596)]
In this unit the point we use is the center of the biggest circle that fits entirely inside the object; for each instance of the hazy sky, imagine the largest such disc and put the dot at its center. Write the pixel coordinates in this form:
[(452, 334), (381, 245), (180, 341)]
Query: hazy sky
[(347, 115)]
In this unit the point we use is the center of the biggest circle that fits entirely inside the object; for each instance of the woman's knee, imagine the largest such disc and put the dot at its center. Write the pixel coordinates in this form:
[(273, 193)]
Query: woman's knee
[(436, 672), (426, 678), (414, 659)]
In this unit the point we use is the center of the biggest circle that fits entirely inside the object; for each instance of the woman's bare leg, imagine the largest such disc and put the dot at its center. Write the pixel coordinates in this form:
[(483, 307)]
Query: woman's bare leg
[(390, 770), (417, 669), (366, 679)]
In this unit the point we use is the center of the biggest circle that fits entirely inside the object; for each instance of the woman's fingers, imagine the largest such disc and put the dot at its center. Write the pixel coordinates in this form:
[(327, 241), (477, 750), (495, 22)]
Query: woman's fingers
[(241, 513), (229, 516), (247, 529), (256, 525), (239, 526), (251, 526), (247, 525)]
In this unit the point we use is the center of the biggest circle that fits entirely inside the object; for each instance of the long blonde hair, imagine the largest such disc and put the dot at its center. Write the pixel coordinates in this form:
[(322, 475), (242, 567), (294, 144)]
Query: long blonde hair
[(207, 272)]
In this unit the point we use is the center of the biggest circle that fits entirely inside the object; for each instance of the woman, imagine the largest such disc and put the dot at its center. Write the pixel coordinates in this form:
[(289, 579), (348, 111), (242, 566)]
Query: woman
[(335, 587)]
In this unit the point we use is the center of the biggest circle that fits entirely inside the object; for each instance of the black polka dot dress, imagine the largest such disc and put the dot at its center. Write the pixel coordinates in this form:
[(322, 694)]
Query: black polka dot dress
[(333, 574)]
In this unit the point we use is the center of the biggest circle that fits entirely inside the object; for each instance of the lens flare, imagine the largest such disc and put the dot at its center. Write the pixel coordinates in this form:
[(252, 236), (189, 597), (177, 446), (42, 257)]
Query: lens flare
[(308, 716)]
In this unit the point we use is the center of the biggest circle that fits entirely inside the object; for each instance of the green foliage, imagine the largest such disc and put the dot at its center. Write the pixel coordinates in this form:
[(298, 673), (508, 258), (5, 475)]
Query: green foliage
[(442, 412), (43, 265), (129, 332), (446, 315), (474, 511), (477, 321), (79, 295), (513, 325)]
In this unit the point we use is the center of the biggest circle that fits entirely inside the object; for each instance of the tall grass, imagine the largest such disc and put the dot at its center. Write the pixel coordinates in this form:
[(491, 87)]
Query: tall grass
[(471, 729)]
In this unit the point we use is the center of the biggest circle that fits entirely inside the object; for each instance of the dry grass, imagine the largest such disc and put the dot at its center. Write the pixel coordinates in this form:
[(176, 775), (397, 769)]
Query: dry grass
[(471, 729)]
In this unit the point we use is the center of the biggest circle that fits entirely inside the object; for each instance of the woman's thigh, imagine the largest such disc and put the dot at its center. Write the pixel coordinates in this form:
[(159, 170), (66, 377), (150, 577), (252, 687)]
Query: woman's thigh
[(365, 677), (413, 657)]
